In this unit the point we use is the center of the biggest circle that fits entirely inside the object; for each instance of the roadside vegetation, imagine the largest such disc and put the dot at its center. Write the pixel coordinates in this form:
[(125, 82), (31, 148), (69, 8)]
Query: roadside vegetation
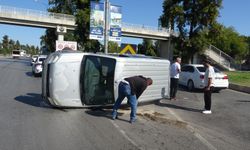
[(239, 77), (7, 45), (197, 24)]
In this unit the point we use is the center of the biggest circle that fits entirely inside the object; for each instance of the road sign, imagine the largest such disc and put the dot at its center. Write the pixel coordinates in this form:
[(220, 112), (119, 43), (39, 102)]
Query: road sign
[(96, 21), (60, 45), (115, 23), (128, 49)]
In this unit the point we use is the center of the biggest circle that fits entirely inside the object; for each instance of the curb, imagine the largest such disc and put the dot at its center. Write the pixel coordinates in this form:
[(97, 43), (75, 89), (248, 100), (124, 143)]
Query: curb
[(239, 88)]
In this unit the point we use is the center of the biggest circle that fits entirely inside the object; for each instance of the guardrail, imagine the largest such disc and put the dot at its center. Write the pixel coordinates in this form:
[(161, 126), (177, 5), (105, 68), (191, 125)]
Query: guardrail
[(13, 12), (149, 29)]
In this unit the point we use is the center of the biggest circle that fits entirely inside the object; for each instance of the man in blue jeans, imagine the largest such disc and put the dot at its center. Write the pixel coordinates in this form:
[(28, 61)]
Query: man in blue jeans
[(132, 88)]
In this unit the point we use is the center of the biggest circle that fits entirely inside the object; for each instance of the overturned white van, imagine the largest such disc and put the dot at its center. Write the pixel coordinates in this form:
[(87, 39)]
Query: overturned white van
[(74, 79)]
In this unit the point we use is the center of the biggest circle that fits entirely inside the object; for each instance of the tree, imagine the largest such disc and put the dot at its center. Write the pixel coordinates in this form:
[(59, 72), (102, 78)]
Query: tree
[(229, 41), (81, 10), (17, 45), (113, 47), (189, 17), (5, 44), (147, 48), (247, 39)]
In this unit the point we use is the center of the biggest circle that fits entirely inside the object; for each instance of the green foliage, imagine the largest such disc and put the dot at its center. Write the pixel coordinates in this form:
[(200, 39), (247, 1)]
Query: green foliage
[(147, 48), (81, 10), (229, 41), (189, 18), (240, 78), (7, 45), (247, 40), (113, 47)]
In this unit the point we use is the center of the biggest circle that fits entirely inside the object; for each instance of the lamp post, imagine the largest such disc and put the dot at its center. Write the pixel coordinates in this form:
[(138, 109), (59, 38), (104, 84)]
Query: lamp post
[(106, 31)]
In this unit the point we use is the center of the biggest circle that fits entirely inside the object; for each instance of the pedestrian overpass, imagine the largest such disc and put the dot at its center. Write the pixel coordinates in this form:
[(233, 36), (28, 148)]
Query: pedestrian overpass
[(64, 22)]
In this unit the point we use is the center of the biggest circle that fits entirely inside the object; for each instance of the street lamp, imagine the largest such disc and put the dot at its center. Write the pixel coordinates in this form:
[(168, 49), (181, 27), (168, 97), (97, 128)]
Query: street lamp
[(106, 33)]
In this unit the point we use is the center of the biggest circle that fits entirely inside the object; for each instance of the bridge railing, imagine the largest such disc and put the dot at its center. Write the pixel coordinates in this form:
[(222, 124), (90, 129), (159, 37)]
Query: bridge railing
[(224, 59), (148, 29), (69, 20), (11, 12)]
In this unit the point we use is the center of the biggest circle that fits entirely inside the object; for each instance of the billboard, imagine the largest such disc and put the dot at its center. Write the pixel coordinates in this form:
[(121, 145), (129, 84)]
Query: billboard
[(60, 45), (96, 21), (115, 23)]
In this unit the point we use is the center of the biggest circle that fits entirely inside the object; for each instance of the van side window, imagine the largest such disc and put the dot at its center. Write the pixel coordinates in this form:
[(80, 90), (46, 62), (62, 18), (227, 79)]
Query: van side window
[(97, 80)]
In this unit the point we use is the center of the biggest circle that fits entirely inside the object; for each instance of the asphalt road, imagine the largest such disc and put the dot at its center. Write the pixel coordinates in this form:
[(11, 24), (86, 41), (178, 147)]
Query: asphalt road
[(28, 123)]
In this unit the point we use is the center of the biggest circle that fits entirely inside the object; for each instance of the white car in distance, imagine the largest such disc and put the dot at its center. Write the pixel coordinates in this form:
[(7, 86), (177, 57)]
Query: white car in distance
[(33, 59), (192, 76), (37, 66)]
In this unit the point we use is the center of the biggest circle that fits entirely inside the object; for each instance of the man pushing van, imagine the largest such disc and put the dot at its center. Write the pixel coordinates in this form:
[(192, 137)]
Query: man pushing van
[(132, 88)]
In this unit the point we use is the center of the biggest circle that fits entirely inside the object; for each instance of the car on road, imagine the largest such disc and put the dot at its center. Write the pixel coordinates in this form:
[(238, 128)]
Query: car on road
[(33, 59), (192, 76), (37, 66), (16, 54)]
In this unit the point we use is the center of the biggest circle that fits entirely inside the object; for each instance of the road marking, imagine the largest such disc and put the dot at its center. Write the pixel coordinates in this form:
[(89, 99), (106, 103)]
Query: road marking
[(125, 135), (192, 129)]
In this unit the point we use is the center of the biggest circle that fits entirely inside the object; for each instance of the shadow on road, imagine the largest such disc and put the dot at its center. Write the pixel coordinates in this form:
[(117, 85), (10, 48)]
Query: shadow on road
[(101, 112), (29, 74), (33, 99), (165, 104), (183, 88), (20, 60)]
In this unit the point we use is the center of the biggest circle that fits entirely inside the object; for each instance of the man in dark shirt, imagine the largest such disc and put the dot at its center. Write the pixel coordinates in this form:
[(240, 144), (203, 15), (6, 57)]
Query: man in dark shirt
[(132, 88)]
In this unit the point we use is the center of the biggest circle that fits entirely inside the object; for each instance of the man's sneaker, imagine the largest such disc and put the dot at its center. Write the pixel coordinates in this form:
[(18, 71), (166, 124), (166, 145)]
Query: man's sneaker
[(114, 115), (206, 111), (132, 120)]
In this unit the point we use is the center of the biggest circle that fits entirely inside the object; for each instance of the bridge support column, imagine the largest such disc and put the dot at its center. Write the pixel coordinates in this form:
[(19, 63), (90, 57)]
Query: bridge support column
[(60, 31), (166, 50)]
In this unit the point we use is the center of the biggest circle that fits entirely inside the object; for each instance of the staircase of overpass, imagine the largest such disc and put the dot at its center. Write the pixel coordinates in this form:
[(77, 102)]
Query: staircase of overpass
[(42, 19), (222, 59)]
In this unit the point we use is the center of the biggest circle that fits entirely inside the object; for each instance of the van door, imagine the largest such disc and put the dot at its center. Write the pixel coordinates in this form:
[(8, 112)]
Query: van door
[(97, 80)]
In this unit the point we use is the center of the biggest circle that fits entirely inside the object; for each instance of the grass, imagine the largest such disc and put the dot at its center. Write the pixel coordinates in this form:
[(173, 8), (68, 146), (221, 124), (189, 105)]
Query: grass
[(239, 77)]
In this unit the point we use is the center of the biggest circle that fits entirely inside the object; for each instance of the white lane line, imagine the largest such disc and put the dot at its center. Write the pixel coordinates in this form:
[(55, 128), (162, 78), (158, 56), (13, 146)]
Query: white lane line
[(125, 135), (192, 129)]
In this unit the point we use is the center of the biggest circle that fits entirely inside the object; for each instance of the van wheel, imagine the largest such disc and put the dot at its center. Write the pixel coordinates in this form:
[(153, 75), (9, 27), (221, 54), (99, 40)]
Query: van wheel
[(190, 85)]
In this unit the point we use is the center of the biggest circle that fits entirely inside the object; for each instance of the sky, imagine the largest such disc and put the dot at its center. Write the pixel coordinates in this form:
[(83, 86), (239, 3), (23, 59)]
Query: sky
[(142, 12)]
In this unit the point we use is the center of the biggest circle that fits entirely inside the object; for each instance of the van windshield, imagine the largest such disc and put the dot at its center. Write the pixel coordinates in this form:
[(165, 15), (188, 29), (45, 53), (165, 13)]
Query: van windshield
[(97, 80)]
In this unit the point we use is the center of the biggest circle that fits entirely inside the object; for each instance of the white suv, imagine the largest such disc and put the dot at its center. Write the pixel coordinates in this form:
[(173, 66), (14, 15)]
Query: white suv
[(192, 76), (37, 66)]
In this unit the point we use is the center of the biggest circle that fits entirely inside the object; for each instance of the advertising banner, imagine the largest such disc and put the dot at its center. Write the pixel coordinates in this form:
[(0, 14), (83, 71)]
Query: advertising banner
[(115, 23), (96, 21), (60, 45)]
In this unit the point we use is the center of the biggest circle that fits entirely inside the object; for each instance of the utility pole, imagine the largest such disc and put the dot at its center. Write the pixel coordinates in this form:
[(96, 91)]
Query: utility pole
[(106, 31)]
